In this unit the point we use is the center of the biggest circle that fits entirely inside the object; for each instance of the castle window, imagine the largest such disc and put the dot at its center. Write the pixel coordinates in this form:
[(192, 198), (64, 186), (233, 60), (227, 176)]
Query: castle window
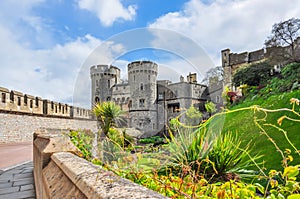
[(160, 96), (31, 103), (217, 99), (25, 100), (55, 108), (12, 97), (37, 102), (134, 78), (97, 99), (52, 105), (149, 77), (97, 83), (3, 98), (108, 99), (108, 83), (123, 99), (142, 103), (59, 107), (129, 104), (19, 101), (63, 110), (142, 86)]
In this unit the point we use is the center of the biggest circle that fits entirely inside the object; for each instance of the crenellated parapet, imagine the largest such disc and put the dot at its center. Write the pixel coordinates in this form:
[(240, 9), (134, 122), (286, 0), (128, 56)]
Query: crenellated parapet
[(12, 101)]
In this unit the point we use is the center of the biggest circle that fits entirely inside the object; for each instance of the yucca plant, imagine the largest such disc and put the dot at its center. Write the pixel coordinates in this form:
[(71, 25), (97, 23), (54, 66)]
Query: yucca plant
[(108, 115), (231, 160)]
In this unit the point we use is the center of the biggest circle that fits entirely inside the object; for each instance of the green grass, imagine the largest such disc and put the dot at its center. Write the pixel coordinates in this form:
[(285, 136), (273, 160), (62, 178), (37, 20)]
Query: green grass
[(243, 123)]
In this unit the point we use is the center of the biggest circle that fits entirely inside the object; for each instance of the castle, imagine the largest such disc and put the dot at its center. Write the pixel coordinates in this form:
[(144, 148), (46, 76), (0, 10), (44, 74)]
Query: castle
[(149, 103), (231, 62)]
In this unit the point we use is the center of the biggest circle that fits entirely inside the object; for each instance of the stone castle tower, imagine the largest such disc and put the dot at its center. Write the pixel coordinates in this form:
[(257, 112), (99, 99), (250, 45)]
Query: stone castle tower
[(103, 78), (148, 103), (142, 78)]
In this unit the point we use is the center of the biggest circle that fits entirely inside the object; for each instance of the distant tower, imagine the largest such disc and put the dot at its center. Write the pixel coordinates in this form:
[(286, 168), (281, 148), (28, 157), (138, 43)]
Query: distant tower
[(103, 78), (226, 68), (142, 76)]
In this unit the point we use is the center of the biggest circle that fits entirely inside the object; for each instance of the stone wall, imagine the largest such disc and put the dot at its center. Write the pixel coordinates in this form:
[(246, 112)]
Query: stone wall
[(59, 173), (20, 128)]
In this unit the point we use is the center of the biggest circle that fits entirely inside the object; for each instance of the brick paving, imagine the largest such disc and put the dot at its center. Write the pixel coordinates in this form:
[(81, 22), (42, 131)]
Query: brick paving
[(16, 171), (17, 182)]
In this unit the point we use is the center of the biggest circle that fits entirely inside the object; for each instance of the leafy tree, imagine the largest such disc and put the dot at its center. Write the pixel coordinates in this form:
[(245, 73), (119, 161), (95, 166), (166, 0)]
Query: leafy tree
[(215, 74), (210, 107), (254, 75), (193, 116), (284, 33), (108, 115)]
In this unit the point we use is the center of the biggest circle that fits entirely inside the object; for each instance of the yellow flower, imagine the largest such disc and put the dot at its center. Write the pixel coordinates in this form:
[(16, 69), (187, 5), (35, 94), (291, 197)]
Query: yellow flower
[(290, 158), (279, 121), (273, 173), (273, 183), (294, 101)]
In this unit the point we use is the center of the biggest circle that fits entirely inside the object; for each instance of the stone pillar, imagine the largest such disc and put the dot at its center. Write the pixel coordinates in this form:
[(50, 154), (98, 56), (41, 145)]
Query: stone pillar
[(45, 144)]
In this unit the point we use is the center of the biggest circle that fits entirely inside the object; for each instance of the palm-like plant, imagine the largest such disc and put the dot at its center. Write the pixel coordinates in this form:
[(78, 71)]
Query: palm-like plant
[(108, 115)]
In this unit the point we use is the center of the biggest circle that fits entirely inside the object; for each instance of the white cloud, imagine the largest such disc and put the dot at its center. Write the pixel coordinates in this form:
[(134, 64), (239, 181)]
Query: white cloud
[(239, 25), (50, 71), (109, 11)]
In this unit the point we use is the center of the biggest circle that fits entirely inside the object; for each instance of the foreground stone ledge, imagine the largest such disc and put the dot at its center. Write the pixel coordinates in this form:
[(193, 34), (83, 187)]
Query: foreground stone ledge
[(60, 173), (95, 182)]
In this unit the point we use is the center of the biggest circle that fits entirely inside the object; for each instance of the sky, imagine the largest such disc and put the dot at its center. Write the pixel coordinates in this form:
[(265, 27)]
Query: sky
[(48, 46)]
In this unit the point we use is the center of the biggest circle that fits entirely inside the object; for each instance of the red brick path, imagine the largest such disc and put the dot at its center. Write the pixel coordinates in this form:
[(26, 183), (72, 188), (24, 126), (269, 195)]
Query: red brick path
[(14, 154)]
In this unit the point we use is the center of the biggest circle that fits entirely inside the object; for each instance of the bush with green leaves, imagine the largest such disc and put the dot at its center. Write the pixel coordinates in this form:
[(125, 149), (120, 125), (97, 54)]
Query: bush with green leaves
[(253, 75), (83, 141)]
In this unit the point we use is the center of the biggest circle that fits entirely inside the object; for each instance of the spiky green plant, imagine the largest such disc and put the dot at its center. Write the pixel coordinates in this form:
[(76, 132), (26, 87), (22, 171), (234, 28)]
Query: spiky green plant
[(108, 115)]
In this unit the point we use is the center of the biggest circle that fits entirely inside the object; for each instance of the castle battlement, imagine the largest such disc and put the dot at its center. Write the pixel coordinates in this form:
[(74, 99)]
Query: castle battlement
[(16, 102)]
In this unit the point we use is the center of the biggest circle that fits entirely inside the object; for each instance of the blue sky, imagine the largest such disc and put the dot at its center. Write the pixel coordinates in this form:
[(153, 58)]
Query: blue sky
[(47, 45)]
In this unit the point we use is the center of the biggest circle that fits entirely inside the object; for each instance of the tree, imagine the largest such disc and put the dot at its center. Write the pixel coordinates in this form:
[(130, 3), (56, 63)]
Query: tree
[(215, 74), (210, 107), (108, 115), (282, 41), (193, 116), (254, 75)]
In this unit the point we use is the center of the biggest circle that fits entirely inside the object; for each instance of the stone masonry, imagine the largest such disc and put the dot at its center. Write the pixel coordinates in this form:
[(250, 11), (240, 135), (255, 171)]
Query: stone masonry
[(20, 128)]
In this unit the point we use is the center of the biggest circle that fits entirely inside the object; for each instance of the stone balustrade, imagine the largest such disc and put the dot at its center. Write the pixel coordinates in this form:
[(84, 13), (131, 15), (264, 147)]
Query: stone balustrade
[(60, 173)]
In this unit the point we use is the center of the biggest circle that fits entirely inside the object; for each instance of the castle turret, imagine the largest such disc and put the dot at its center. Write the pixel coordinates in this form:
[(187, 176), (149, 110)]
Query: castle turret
[(142, 76), (226, 67), (103, 78)]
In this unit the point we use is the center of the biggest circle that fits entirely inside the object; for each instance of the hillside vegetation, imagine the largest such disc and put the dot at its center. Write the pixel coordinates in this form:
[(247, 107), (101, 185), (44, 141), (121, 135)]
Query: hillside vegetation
[(275, 96)]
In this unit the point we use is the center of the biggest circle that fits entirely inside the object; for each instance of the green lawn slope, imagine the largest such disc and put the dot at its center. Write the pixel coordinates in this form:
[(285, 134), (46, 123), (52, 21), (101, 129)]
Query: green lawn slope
[(242, 122)]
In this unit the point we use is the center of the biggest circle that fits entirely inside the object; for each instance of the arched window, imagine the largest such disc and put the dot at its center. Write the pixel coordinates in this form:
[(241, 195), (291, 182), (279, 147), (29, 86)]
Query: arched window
[(108, 99), (97, 99), (142, 86)]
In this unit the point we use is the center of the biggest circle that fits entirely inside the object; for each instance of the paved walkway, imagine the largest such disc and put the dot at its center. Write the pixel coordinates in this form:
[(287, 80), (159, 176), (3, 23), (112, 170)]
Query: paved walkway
[(15, 153), (17, 182), (16, 171)]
